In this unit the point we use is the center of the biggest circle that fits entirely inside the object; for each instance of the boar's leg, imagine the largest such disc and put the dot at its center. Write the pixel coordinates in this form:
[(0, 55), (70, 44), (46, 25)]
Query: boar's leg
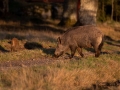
[(97, 51), (12, 48), (98, 46), (73, 49), (80, 51)]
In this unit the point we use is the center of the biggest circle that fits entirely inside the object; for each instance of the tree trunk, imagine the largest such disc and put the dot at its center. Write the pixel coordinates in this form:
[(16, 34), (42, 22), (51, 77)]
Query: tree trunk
[(115, 10), (103, 10), (112, 12), (5, 6), (81, 12), (69, 16), (88, 12)]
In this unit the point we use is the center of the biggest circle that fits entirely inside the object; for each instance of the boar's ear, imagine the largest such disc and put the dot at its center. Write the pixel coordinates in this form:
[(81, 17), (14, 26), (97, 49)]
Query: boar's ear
[(59, 40)]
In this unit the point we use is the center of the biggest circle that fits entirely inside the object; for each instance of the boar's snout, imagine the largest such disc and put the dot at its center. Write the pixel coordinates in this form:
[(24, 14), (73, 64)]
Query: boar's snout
[(58, 54)]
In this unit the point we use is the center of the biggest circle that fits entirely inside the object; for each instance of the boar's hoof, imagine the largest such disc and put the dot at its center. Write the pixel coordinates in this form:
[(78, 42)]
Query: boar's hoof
[(56, 56), (96, 55), (70, 57)]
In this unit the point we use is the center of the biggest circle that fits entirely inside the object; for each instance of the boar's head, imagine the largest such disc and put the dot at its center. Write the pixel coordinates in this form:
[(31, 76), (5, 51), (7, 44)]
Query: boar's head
[(61, 47)]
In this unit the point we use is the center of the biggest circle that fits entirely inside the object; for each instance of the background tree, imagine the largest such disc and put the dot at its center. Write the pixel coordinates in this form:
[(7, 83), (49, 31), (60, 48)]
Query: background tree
[(4, 6), (69, 15), (87, 12), (116, 10), (101, 10), (112, 11)]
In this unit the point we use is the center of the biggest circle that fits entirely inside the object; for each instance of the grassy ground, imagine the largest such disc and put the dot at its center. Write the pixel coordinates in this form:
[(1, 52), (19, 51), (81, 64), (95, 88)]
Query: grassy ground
[(63, 74)]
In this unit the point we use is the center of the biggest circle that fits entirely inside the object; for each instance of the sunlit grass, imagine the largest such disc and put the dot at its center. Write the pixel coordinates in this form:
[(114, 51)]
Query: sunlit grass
[(110, 31), (21, 55), (62, 74), (76, 74)]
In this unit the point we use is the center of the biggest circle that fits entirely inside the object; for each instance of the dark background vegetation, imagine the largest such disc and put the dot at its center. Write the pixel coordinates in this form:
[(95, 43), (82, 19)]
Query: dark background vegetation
[(109, 10), (38, 11)]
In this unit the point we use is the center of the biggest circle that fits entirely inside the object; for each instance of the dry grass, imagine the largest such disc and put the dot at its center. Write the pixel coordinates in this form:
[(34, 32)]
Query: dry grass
[(32, 44), (110, 31), (64, 74)]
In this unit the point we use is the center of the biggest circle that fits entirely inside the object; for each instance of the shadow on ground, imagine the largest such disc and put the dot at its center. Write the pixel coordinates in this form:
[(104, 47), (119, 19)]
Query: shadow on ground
[(49, 51), (35, 45), (32, 45), (2, 49), (110, 41)]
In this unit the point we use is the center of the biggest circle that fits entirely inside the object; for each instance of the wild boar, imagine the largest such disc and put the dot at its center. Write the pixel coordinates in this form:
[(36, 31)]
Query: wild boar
[(80, 37), (14, 44)]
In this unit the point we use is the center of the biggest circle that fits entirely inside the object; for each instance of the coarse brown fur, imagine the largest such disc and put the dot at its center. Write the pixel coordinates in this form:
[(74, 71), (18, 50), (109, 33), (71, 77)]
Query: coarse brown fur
[(14, 44), (80, 37)]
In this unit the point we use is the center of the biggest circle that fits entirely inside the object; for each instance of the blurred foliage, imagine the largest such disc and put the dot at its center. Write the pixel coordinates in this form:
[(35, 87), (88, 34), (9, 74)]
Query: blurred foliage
[(105, 10), (44, 11)]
